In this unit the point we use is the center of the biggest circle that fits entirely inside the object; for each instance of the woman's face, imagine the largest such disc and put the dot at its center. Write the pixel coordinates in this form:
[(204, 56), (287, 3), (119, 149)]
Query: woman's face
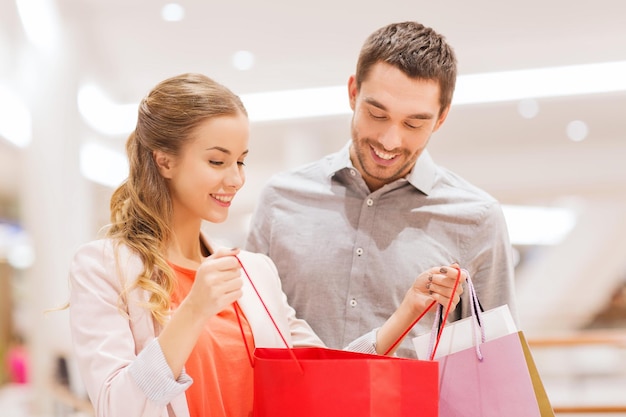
[(204, 179)]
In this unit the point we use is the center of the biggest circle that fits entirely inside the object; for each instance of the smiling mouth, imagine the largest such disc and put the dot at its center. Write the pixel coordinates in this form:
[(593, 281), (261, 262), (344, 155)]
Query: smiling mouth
[(223, 198), (386, 156)]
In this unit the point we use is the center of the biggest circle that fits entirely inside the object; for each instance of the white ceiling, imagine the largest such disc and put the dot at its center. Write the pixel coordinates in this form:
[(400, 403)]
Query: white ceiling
[(125, 48)]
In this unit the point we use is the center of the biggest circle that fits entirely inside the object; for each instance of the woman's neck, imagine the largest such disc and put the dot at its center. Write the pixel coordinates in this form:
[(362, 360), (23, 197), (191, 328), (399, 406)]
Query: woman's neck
[(185, 248)]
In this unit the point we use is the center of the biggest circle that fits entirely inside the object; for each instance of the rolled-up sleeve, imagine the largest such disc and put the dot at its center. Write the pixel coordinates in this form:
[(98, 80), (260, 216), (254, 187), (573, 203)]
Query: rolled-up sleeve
[(154, 376), (364, 344), (119, 358)]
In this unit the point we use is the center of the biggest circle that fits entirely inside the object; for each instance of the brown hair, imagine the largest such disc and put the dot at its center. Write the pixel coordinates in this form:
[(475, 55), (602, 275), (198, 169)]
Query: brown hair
[(416, 50), (141, 206)]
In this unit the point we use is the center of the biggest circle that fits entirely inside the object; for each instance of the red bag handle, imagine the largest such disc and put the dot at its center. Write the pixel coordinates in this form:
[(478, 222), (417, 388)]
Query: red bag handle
[(448, 307), (270, 316), (445, 316), (456, 284)]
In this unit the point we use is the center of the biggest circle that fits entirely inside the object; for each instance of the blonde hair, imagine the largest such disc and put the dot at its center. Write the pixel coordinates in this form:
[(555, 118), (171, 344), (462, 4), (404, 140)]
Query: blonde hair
[(141, 207)]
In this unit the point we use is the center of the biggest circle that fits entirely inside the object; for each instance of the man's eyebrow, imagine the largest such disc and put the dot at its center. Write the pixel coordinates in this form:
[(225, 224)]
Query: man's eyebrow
[(417, 116)]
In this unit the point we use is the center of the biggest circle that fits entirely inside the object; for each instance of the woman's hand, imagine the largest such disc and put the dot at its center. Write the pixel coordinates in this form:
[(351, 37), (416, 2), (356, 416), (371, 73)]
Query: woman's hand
[(218, 283)]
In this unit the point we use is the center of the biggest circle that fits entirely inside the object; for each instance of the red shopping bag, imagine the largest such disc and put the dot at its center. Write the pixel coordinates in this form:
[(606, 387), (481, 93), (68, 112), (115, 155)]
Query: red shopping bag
[(336, 383), (319, 382)]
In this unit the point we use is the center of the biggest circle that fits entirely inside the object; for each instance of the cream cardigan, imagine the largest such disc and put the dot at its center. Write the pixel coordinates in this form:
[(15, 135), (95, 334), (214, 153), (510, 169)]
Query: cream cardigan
[(119, 358)]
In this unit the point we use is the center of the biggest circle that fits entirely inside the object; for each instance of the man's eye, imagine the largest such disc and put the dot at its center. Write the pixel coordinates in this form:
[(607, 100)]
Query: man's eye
[(376, 116), (413, 126)]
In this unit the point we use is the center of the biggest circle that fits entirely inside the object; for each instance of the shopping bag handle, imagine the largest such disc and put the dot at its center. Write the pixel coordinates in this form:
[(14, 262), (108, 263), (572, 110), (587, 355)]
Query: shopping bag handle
[(448, 308), (477, 322), (270, 316), (408, 329), (456, 283)]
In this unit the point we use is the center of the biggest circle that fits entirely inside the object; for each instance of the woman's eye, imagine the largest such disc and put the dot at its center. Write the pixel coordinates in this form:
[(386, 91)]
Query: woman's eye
[(216, 163), (241, 163)]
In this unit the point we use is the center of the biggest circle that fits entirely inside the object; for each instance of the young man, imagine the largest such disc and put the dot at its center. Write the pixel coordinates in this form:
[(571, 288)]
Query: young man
[(350, 232)]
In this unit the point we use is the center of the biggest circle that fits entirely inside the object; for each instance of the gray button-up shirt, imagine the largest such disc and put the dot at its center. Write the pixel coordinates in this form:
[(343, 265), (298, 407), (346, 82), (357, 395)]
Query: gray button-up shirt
[(346, 256)]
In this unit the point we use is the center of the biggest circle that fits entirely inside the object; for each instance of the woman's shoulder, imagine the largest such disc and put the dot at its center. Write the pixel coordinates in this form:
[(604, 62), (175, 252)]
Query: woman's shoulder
[(106, 258), (104, 248), (257, 264)]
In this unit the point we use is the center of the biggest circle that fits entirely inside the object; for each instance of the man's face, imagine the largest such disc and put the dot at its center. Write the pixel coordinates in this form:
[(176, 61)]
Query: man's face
[(394, 117)]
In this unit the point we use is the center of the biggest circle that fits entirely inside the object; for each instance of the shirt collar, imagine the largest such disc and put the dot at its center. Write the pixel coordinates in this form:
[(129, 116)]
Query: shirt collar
[(339, 160), (422, 176)]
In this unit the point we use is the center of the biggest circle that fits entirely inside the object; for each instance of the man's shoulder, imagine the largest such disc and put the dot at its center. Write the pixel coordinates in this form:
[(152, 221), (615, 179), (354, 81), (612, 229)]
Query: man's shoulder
[(449, 183), (308, 174)]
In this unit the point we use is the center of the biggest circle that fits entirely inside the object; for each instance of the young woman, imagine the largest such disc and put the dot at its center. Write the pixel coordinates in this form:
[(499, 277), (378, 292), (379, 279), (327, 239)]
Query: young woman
[(159, 314)]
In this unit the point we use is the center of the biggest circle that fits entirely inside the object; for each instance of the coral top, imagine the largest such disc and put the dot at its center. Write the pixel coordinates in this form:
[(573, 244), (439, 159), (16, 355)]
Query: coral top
[(219, 364)]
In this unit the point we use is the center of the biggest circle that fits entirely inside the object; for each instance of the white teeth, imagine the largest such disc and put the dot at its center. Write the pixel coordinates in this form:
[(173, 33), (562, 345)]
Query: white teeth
[(223, 198), (384, 155)]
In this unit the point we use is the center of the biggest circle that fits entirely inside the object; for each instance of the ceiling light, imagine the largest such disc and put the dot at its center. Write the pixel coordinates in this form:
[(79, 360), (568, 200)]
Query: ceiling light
[(243, 60), (332, 101), (540, 82), (528, 108), (173, 12), (470, 89), (530, 225), (577, 130), (297, 104)]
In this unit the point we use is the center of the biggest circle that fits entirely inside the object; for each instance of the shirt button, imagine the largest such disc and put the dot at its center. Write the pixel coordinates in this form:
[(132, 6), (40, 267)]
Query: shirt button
[(353, 303), (352, 172), (370, 202), (359, 251)]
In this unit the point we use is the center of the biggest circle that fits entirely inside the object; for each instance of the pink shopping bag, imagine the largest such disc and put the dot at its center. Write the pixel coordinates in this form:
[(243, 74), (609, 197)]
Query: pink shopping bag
[(494, 376)]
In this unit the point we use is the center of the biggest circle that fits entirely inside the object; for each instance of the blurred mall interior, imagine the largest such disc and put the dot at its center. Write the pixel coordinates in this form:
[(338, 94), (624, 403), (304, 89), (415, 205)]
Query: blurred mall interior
[(538, 121)]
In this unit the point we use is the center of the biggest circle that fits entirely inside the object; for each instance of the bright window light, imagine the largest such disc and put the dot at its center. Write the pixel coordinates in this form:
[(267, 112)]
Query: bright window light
[(40, 21), (16, 246), (103, 115), (529, 225), (103, 165), (15, 118)]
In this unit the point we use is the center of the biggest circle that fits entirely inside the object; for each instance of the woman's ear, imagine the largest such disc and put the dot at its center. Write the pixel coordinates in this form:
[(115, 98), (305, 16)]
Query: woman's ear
[(163, 162)]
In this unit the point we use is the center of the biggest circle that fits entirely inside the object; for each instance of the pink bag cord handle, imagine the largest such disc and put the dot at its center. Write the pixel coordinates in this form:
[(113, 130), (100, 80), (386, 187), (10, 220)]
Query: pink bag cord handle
[(477, 322)]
